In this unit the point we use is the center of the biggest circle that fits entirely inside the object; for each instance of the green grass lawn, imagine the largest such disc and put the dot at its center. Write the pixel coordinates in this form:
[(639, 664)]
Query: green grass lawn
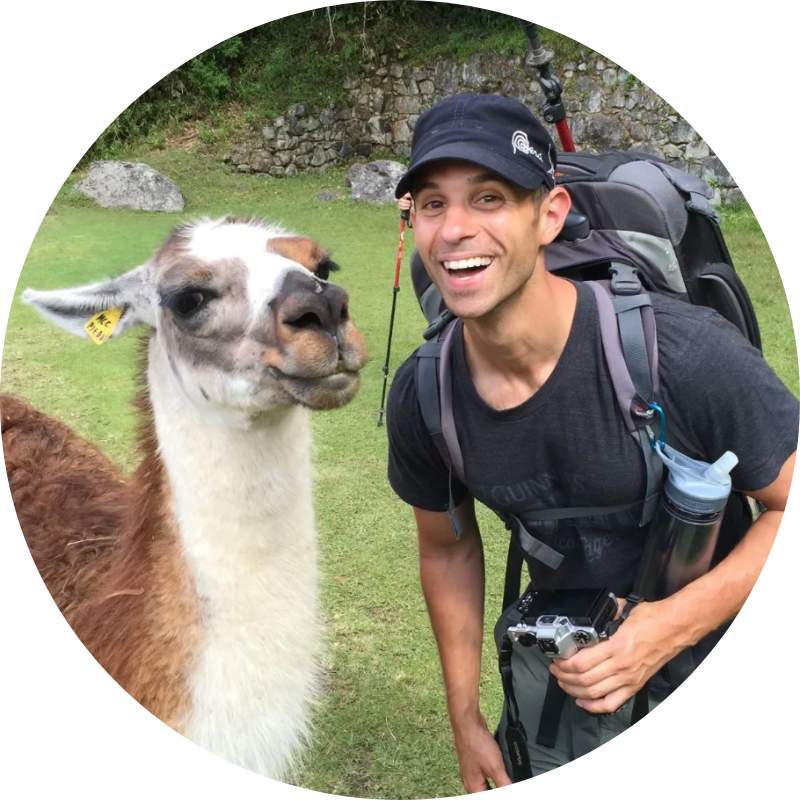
[(381, 729)]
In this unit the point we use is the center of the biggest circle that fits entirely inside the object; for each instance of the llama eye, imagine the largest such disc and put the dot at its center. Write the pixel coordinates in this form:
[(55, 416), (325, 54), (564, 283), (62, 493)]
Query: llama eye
[(324, 268), (188, 303)]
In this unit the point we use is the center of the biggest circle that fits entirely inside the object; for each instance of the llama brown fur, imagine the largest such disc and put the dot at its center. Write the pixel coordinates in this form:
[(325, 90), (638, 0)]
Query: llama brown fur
[(124, 591)]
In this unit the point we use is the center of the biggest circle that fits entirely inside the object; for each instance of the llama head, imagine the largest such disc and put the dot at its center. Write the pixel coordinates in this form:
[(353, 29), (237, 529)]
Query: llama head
[(243, 312)]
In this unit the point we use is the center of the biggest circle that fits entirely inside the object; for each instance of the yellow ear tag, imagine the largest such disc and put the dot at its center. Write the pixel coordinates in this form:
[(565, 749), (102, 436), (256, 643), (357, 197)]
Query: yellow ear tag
[(101, 326)]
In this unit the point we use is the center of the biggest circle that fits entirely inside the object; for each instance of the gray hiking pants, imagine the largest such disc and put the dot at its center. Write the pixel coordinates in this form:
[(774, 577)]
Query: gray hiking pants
[(578, 731)]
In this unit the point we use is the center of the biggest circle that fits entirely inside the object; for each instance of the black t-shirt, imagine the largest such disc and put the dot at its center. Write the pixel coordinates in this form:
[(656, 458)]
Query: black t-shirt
[(568, 446)]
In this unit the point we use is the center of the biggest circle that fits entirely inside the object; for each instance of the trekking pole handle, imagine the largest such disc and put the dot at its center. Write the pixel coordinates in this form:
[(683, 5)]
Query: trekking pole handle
[(406, 214), (539, 58), (403, 219)]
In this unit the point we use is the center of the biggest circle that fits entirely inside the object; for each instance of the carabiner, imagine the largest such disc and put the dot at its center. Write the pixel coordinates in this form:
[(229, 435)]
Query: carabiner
[(661, 442)]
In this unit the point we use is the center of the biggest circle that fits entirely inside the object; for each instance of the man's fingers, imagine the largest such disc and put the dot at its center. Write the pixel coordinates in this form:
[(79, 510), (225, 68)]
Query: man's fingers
[(609, 703), (475, 780), (476, 785), (500, 778), (496, 771), (582, 680), (584, 660), (595, 691)]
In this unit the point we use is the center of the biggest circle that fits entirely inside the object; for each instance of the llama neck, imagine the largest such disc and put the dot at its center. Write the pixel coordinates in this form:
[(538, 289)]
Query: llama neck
[(242, 504), (241, 496)]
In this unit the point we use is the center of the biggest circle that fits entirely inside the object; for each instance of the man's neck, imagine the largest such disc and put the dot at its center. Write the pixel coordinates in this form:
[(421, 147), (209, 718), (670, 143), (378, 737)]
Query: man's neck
[(513, 351)]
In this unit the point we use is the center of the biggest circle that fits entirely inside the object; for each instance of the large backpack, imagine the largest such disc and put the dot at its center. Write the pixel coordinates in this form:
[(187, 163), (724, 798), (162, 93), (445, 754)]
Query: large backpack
[(636, 209), (638, 225)]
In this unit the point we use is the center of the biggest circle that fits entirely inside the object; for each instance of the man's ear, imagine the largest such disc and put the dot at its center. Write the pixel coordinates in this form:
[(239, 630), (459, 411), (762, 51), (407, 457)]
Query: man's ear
[(552, 213)]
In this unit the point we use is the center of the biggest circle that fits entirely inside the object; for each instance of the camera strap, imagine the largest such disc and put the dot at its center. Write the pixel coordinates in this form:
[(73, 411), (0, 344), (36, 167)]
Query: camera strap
[(633, 600), (551, 713), (515, 734), (516, 738)]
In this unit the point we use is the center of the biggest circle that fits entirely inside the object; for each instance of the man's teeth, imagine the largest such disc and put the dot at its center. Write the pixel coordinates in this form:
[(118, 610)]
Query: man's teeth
[(467, 263)]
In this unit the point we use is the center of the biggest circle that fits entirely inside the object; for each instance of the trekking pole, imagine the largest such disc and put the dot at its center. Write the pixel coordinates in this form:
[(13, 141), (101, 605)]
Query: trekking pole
[(539, 57), (405, 215)]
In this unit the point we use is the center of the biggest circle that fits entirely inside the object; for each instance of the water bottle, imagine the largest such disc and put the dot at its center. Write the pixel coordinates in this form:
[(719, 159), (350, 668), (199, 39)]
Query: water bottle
[(684, 530)]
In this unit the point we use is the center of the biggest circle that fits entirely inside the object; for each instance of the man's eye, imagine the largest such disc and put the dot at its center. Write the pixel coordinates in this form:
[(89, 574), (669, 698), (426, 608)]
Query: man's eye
[(188, 303), (489, 198)]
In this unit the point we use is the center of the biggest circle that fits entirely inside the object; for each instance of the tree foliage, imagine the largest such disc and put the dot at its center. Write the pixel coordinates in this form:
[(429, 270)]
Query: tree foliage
[(305, 58)]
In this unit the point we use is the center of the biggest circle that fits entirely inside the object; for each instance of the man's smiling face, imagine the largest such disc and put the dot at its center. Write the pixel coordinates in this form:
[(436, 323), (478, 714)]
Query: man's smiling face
[(477, 234)]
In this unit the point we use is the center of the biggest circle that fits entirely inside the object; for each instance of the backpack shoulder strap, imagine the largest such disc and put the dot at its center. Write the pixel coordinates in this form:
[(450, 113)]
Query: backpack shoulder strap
[(628, 335), (435, 394)]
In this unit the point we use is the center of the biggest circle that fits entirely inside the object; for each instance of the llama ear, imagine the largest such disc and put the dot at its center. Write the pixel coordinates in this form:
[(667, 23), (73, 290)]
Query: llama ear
[(306, 252), (123, 302)]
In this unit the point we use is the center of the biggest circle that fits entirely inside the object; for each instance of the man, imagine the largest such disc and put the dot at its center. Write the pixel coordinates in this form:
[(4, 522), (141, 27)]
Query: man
[(539, 427)]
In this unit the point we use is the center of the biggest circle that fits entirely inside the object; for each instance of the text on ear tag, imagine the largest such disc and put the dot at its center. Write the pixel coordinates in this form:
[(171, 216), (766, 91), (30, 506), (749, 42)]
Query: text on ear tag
[(101, 326)]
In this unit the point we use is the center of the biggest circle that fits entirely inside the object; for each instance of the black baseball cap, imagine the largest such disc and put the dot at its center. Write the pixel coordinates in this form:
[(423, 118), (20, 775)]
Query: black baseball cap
[(485, 129)]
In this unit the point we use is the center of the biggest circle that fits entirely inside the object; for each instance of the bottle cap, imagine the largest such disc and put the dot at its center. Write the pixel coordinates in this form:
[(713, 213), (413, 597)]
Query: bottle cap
[(697, 486)]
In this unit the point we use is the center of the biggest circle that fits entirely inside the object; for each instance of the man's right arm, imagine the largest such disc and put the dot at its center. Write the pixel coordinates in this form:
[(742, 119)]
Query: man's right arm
[(452, 577)]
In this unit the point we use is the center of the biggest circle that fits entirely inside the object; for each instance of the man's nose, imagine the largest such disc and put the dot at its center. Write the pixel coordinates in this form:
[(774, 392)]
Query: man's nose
[(458, 224)]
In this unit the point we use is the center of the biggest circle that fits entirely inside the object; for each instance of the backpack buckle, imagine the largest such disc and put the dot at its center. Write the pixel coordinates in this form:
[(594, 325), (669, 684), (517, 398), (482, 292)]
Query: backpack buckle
[(437, 325), (625, 279)]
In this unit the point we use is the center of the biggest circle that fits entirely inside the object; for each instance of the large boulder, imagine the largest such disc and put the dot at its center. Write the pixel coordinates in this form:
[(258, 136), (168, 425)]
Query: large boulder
[(374, 182), (122, 184)]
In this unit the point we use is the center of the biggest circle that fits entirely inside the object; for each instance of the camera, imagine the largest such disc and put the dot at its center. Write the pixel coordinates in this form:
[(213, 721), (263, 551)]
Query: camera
[(563, 621)]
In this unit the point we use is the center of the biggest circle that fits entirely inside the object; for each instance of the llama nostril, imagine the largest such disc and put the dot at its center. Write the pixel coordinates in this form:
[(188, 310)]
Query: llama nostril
[(303, 308), (305, 321)]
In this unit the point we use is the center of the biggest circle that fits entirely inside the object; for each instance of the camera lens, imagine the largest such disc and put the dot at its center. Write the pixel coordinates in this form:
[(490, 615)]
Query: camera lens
[(547, 645), (527, 639)]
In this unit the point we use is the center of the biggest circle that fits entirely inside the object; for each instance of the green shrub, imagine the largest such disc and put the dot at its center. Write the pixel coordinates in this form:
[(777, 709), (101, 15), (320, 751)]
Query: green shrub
[(306, 57)]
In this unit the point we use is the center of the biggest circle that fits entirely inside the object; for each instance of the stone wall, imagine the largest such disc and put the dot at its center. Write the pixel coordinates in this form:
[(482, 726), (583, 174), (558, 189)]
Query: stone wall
[(607, 109)]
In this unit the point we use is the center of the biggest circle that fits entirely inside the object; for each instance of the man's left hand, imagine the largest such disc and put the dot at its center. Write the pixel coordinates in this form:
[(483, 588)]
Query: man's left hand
[(604, 676)]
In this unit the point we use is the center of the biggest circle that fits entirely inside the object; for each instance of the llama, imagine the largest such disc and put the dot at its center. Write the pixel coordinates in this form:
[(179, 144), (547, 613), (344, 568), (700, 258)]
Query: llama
[(193, 582)]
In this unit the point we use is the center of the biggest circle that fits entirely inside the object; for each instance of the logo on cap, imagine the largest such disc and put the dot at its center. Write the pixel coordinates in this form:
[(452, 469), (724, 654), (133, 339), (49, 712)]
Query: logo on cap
[(519, 141)]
